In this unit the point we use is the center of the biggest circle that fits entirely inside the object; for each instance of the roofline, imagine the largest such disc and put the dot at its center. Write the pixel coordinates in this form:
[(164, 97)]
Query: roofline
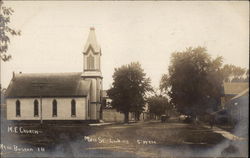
[(241, 94), (92, 77), (94, 51), (92, 70), (215, 112), (231, 95), (75, 96), (46, 73)]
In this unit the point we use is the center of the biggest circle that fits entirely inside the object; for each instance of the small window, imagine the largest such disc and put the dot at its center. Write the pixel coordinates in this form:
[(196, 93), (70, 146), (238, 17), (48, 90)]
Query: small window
[(90, 62), (36, 108), (54, 108), (73, 108), (18, 108)]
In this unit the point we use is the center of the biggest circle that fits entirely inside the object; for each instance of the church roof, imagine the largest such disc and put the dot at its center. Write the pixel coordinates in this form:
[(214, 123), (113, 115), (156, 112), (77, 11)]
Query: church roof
[(48, 85), (92, 42)]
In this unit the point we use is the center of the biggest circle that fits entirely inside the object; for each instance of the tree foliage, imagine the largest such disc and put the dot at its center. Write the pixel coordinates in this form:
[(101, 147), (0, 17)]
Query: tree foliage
[(158, 105), (194, 81), (129, 89), (232, 73), (247, 76), (5, 31)]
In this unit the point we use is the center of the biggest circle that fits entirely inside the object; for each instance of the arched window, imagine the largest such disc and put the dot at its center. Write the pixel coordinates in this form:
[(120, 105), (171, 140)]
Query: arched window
[(36, 108), (73, 108), (18, 108), (90, 62), (54, 108)]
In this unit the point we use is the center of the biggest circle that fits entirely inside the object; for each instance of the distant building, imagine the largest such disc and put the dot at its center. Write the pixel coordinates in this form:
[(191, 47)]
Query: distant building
[(238, 107), (145, 115), (110, 114), (231, 89), (235, 104), (106, 100), (59, 96)]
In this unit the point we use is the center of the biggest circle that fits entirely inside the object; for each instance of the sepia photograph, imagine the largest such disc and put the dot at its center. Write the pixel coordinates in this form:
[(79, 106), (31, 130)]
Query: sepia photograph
[(124, 79)]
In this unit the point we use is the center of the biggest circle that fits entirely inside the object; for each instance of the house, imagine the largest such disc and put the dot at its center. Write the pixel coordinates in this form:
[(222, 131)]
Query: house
[(235, 108), (59, 96), (231, 89), (109, 114), (238, 107)]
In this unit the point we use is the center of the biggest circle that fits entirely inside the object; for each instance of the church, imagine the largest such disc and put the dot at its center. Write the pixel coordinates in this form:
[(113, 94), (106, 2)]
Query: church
[(59, 96)]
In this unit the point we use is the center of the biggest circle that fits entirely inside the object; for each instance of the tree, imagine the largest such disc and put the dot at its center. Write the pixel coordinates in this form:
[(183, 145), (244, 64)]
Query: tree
[(5, 31), (194, 81), (227, 72), (158, 105), (247, 76), (232, 73), (129, 89)]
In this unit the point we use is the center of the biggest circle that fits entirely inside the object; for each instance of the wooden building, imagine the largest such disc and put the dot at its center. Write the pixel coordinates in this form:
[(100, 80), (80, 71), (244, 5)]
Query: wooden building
[(59, 96)]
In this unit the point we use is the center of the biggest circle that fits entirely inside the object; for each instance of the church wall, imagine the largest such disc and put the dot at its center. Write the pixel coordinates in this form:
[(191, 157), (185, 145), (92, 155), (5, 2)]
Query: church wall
[(26, 107), (87, 101), (93, 99), (96, 101), (98, 87), (98, 96), (63, 109)]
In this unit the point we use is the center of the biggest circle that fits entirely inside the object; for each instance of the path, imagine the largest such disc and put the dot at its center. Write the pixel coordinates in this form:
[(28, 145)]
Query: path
[(225, 134)]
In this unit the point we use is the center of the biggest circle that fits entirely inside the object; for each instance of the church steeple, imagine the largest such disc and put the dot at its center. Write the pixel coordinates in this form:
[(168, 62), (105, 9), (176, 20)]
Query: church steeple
[(92, 53), (92, 72), (92, 42)]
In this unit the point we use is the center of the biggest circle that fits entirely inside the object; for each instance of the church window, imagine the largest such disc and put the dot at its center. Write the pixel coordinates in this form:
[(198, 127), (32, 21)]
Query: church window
[(54, 109), (90, 62), (73, 108), (36, 108), (18, 108)]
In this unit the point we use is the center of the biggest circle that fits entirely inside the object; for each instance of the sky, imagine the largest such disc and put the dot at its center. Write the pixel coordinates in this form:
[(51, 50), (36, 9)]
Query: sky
[(53, 34)]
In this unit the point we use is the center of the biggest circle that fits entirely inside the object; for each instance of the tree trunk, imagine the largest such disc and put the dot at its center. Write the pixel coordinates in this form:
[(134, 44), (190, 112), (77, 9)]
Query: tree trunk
[(137, 116), (126, 115)]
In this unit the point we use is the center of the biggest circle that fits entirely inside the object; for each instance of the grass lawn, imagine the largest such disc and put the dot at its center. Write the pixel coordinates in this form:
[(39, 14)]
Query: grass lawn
[(137, 139)]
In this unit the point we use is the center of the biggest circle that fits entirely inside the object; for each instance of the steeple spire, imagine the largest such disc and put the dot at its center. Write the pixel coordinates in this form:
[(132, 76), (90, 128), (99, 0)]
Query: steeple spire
[(92, 42), (92, 55)]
